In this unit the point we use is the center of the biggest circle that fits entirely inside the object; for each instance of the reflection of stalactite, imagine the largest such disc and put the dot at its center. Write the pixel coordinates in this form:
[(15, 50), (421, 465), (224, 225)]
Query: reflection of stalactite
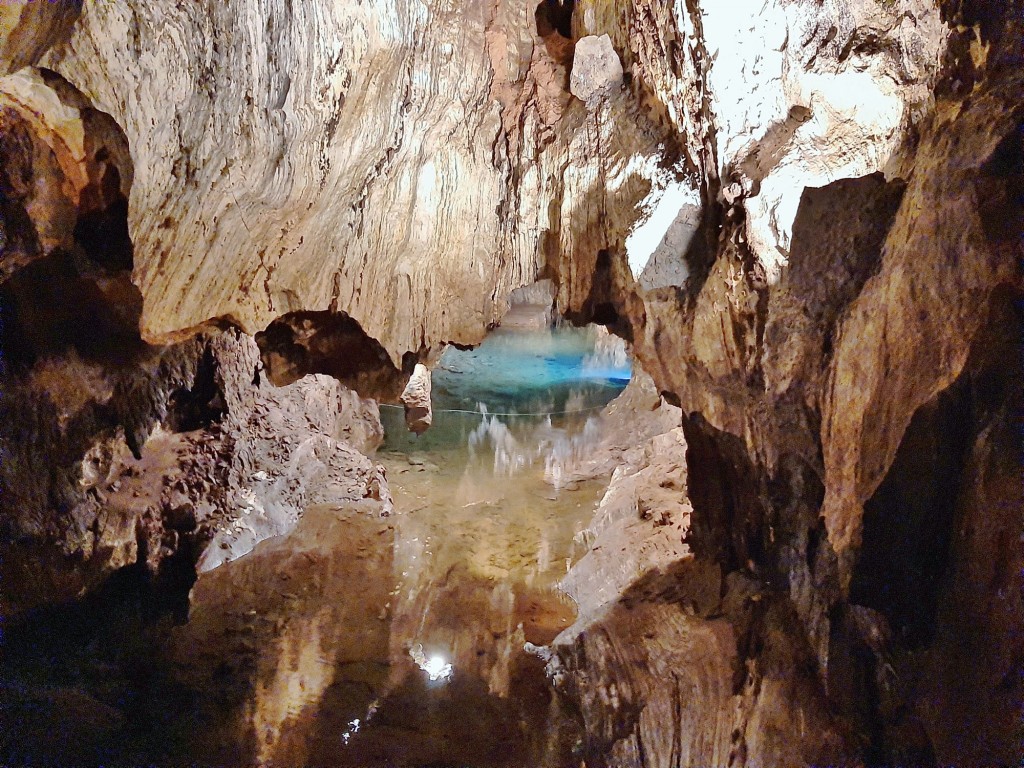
[(560, 449), (610, 354)]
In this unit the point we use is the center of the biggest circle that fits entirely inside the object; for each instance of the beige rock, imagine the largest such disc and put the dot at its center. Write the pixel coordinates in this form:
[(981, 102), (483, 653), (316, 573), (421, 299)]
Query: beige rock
[(530, 306), (870, 399), (416, 399), (222, 463), (28, 29), (325, 155), (596, 70)]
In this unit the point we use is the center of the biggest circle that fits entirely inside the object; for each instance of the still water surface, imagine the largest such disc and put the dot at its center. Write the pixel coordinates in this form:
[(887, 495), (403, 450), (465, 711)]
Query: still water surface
[(409, 649), (358, 640)]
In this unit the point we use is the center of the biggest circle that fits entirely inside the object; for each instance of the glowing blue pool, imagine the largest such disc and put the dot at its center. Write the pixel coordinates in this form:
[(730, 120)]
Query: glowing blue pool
[(563, 373)]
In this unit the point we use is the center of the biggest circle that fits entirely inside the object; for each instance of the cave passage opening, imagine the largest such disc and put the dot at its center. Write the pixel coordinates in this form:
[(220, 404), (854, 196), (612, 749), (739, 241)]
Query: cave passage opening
[(491, 502), (405, 639), (555, 16)]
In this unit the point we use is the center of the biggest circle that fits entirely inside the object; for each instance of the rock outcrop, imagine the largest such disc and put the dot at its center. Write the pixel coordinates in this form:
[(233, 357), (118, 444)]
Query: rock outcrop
[(416, 400), (804, 216), (178, 461), (322, 153), (596, 70), (67, 174)]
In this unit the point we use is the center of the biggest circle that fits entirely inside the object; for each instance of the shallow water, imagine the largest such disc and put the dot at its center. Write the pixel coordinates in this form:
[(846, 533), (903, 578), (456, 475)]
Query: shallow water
[(364, 641), (482, 534), (522, 398)]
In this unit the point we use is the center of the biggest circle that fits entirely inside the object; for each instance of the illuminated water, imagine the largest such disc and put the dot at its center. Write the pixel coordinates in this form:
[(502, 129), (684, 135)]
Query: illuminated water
[(370, 642), (400, 641), (538, 389), (483, 532)]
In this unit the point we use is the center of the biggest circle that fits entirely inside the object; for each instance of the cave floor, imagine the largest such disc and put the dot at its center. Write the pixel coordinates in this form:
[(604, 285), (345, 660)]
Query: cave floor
[(330, 645), (305, 651)]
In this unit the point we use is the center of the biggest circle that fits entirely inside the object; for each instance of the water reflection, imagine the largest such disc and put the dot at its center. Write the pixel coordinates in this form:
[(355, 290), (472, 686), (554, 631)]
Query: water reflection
[(524, 397), (366, 641)]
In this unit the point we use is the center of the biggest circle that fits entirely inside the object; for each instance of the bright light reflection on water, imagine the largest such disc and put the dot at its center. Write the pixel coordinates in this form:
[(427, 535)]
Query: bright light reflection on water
[(362, 641)]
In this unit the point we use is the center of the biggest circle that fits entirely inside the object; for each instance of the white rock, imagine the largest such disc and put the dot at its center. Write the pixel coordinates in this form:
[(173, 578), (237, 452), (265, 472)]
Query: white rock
[(416, 399), (596, 70), (656, 247)]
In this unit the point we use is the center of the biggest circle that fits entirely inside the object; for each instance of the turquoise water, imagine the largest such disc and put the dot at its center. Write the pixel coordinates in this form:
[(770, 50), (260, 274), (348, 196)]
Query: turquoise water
[(554, 377)]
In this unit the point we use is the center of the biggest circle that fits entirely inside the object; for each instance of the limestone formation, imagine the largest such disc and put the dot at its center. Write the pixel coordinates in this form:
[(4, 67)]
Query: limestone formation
[(179, 457), (67, 173), (28, 29), (416, 399), (322, 152), (596, 70), (803, 215)]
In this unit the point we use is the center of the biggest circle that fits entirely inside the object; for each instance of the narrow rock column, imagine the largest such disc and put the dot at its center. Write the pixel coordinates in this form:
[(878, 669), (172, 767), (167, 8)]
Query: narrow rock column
[(416, 399)]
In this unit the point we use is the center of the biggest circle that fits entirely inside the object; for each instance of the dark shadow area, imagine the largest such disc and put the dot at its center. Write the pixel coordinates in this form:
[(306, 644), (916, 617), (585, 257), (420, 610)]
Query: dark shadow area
[(555, 16), (703, 248), (49, 308), (728, 512), (79, 297), (695, 584), (921, 660), (972, 684), (334, 344), (837, 242), (553, 20), (864, 686), (102, 225), (82, 683), (602, 303), (201, 406), (19, 241), (1000, 188), (281, 663), (908, 521)]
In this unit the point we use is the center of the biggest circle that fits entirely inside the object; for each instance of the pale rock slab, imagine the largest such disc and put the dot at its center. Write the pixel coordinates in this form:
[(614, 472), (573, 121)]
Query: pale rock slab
[(596, 69), (655, 249), (416, 399)]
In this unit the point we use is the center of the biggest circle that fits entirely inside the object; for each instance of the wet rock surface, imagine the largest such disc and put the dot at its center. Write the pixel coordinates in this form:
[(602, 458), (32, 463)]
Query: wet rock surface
[(280, 663), (416, 400), (178, 460), (826, 292)]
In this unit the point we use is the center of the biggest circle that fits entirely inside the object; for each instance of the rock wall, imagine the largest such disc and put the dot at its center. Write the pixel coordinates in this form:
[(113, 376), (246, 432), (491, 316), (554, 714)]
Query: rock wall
[(321, 152), (176, 461), (805, 217), (802, 385)]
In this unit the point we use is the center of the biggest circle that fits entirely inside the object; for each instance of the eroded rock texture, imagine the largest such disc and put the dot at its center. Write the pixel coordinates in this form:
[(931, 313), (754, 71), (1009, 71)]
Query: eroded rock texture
[(174, 460), (322, 152), (805, 216)]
